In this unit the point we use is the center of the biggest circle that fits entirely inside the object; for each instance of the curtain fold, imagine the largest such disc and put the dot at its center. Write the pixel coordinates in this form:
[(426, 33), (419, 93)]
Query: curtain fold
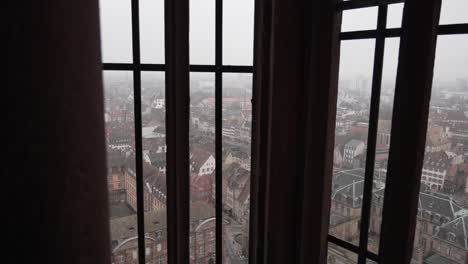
[(295, 87), (55, 168)]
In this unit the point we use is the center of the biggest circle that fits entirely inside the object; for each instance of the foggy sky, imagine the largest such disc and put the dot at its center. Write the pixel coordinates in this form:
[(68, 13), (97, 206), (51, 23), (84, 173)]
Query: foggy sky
[(356, 55)]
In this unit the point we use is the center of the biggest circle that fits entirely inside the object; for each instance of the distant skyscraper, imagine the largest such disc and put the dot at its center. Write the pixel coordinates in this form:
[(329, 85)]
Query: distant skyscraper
[(462, 84), (360, 85)]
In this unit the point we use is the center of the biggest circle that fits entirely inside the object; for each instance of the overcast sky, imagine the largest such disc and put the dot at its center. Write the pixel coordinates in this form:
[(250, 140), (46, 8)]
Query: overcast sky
[(356, 56)]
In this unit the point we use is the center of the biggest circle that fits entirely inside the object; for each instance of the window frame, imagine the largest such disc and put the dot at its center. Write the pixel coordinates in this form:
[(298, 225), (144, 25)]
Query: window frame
[(380, 34), (177, 10), (136, 67)]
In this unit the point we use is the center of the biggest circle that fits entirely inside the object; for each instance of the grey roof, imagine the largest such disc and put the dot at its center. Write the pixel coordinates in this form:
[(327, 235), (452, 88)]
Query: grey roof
[(120, 137), (438, 259), (115, 158), (436, 160), (198, 157), (156, 182), (238, 177), (435, 206), (125, 227), (456, 115), (455, 232), (354, 143), (130, 165), (237, 151), (157, 159), (436, 203), (348, 187)]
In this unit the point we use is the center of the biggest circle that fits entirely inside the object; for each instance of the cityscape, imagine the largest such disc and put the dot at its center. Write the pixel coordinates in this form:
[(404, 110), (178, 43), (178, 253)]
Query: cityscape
[(236, 131), (442, 222), (442, 219)]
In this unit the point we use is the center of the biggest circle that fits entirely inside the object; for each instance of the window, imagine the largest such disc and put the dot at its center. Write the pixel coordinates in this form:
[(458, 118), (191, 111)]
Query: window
[(221, 59), (368, 66), (449, 98), (135, 118), (220, 124)]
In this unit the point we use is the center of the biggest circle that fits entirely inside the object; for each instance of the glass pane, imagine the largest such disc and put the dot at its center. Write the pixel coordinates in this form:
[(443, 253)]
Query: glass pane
[(116, 30), (442, 222), (118, 91), (202, 32), (339, 255), (351, 138), (454, 12), (236, 131), (202, 168), (238, 27), (395, 15), (152, 31), (359, 19), (384, 126), (154, 165)]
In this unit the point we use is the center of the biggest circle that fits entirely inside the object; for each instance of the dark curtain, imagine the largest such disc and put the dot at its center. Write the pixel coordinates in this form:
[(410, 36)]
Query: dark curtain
[(54, 173), (295, 86)]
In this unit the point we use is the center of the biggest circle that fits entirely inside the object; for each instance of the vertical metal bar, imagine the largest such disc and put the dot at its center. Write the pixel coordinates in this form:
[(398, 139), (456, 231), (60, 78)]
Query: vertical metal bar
[(409, 127), (177, 129), (138, 131), (218, 129), (372, 134)]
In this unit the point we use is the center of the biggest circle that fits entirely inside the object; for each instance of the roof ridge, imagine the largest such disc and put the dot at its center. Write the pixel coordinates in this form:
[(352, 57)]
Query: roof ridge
[(464, 231), (342, 188)]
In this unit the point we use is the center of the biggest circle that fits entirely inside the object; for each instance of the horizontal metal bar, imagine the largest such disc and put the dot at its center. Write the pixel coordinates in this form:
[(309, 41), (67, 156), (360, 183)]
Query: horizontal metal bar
[(240, 69), (202, 68), (162, 67), (224, 68), (152, 67), (368, 34), (131, 67), (352, 248), (355, 4), (343, 244), (453, 29), (118, 66)]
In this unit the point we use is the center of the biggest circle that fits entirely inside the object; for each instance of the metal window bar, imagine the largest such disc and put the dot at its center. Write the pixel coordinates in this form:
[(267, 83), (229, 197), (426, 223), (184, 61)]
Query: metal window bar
[(162, 67), (353, 248), (372, 133), (138, 130), (176, 14), (454, 29), (218, 129), (355, 4)]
